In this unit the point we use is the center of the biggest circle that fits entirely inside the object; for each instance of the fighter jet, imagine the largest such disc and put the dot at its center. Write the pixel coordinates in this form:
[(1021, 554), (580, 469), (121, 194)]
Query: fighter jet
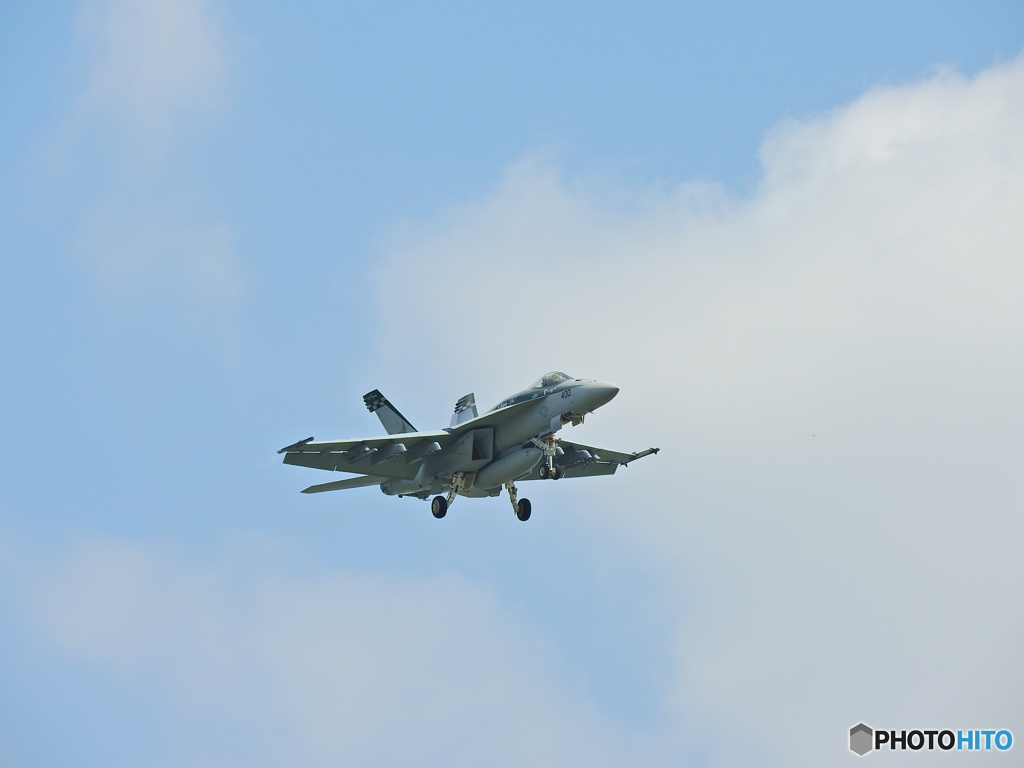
[(476, 456)]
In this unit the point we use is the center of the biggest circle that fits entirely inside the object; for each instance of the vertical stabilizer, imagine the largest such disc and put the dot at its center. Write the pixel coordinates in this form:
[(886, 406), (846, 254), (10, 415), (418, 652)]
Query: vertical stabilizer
[(465, 410), (394, 422)]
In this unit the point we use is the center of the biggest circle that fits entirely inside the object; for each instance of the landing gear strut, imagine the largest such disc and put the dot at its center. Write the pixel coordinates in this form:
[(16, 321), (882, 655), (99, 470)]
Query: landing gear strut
[(458, 481), (548, 468), (439, 507), (521, 507)]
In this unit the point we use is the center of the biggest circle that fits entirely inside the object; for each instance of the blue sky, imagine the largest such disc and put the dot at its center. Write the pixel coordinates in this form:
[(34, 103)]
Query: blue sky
[(223, 223)]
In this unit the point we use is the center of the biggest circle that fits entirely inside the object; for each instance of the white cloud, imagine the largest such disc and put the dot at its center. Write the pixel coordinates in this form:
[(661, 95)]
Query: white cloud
[(833, 368), (154, 79), (154, 67), (326, 667)]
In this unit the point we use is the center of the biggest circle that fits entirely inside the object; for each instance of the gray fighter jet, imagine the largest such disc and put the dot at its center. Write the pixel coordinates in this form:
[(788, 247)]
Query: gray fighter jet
[(477, 455)]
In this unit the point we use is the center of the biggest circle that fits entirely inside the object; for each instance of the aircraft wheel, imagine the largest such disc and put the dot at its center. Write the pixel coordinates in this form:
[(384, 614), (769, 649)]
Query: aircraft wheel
[(545, 473), (556, 473), (523, 509), (439, 507)]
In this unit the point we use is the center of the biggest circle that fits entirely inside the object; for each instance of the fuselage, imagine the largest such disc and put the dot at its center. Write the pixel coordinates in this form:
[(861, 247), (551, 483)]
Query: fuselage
[(502, 444), (551, 408)]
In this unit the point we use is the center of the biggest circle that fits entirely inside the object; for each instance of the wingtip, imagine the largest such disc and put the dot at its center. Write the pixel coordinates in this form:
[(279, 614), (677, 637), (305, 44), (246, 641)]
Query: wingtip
[(640, 455), (293, 446)]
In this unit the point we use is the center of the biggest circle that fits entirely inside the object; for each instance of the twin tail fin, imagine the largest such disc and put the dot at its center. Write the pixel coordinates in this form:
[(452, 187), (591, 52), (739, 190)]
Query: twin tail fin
[(465, 409), (394, 422)]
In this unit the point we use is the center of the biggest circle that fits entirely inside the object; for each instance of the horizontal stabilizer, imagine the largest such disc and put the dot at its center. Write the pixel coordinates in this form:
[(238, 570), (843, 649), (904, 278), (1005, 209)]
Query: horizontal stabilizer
[(465, 409), (343, 485), (394, 422)]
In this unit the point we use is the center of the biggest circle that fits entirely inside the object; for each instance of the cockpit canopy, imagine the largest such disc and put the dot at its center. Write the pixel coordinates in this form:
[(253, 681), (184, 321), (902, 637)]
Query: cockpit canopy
[(551, 379)]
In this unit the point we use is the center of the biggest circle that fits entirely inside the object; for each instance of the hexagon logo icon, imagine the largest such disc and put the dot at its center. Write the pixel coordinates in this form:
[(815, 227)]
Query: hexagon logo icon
[(861, 740)]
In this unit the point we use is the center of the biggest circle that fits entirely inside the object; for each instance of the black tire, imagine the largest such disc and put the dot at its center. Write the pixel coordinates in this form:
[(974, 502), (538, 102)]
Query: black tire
[(523, 509), (545, 473), (557, 473), (439, 507)]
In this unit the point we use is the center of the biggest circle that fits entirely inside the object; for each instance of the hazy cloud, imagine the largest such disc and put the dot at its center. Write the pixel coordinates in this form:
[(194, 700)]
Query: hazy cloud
[(325, 667), (833, 370), (832, 367), (154, 80), (154, 67)]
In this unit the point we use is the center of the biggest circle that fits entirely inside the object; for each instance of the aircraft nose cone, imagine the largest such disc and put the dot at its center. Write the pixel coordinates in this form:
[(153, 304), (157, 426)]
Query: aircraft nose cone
[(600, 393)]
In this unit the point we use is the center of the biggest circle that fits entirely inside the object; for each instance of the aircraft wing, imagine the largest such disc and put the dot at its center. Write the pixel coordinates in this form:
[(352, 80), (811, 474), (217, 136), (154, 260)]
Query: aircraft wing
[(578, 460), (388, 456), (395, 455)]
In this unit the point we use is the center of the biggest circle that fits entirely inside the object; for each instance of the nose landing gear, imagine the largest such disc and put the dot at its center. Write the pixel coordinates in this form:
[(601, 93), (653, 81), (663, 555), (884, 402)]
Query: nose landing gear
[(554, 472), (548, 468)]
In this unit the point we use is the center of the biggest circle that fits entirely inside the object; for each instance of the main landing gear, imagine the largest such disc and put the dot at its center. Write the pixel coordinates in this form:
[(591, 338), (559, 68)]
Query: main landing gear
[(439, 507), (521, 507), (439, 504)]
